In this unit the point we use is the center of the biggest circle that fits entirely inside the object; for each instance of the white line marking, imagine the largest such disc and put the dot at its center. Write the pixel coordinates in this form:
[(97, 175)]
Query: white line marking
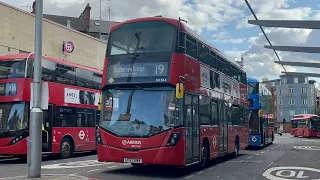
[(94, 170), (188, 177), (112, 167), (127, 164), (258, 154), (249, 157), (200, 172), (262, 152), (209, 169), (272, 148)]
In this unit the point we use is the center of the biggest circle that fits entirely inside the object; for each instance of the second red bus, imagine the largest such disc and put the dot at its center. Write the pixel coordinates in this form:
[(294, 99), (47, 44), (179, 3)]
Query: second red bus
[(69, 123), (305, 125)]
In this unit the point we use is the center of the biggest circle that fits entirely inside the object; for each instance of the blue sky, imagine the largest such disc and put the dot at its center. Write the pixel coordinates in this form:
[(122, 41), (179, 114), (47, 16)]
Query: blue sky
[(221, 22)]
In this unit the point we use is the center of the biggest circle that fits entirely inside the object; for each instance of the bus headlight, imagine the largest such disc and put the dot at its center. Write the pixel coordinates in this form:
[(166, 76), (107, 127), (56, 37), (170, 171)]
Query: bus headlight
[(98, 137), (174, 138), (16, 139)]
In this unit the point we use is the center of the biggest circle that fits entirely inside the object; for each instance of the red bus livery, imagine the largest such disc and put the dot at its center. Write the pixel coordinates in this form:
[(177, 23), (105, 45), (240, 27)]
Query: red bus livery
[(305, 125), (169, 98), (69, 123)]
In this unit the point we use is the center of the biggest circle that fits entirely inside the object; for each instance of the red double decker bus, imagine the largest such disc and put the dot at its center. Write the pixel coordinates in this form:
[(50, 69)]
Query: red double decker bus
[(305, 125), (68, 124), (169, 97)]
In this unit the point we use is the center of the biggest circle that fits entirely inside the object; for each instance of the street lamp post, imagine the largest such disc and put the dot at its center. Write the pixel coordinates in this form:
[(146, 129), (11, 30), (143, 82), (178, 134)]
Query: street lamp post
[(35, 143)]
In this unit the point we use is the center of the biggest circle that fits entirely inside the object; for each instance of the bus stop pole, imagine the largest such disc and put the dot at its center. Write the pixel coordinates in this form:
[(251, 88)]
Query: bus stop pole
[(35, 127)]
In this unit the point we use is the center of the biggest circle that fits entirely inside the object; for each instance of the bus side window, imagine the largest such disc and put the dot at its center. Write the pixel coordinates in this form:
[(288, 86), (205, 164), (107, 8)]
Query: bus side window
[(214, 112), (48, 70), (84, 78)]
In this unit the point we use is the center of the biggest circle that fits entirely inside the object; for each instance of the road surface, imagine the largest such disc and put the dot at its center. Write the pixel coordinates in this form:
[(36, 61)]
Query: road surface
[(286, 158)]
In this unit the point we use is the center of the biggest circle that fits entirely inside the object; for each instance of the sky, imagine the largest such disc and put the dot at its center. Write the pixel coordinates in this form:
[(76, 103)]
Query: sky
[(221, 22)]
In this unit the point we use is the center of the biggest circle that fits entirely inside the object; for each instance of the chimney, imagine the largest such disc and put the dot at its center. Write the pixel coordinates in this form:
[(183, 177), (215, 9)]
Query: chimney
[(33, 7), (85, 17)]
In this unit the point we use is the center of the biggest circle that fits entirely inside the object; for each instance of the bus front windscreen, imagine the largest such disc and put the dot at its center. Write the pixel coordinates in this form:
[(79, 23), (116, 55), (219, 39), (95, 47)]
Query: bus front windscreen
[(254, 125), (139, 113), (13, 117), (142, 37), (315, 123)]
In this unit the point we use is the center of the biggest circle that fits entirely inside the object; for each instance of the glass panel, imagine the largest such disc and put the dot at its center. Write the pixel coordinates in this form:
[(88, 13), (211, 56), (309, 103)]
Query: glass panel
[(12, 69), (251, 88), (254, 122), (65, 75), (140, 113), (48, 70), (97, 80), (315, 123), (204, 110), (214, 113), (84, 78), (13, 116), (66, 117), (142, 37)]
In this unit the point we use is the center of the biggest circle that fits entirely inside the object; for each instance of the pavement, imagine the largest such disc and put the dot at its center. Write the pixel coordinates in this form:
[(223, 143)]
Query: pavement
[(50, 177), (287, 158)]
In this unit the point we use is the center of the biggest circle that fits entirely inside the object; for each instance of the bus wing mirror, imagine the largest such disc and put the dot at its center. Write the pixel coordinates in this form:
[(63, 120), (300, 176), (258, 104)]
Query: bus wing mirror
[(260, 113), (99, 104), (179, 90)]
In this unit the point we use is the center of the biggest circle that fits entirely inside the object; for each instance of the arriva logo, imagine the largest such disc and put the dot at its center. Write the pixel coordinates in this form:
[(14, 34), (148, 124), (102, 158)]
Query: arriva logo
[(131, 142)]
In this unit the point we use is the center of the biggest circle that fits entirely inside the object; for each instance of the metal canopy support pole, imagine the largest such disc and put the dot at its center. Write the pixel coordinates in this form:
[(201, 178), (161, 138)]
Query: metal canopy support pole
[(35, 128)]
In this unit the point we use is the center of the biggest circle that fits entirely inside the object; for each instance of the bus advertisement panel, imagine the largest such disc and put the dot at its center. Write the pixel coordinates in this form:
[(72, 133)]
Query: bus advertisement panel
[(69, 123), (169, 98), (305, 125)]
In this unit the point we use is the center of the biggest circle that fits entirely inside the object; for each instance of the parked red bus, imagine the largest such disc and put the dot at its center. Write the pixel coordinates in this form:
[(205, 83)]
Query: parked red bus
[(69, 124), (169, 98), (305, 125)]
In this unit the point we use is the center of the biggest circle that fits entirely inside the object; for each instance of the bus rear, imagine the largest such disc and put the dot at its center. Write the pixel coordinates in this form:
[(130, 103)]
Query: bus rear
[(261, 121), (305, 125)]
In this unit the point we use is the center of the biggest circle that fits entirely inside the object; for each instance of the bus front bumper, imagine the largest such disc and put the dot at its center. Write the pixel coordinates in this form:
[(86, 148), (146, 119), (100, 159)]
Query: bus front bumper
[(172, 155), (18, 148)]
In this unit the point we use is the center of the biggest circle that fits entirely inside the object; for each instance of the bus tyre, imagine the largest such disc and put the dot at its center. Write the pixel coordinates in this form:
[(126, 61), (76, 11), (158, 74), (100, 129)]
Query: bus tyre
[(204, 157), (236, 148), (66, 148)]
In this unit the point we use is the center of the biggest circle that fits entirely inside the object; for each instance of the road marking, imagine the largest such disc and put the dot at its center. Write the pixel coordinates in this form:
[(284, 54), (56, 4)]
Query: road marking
[(310, 148), (309, 140), (75, 164), (262, 152), (94, 170), (188, 177), (209, 169), (112, 167), (127, 164), (258, 154), (249, 157), (267, 150), (286, 173), (200, 172), (272, 148)]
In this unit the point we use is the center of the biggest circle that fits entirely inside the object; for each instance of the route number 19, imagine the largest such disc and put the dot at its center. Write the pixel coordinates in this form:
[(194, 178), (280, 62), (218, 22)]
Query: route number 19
[(159, 69)]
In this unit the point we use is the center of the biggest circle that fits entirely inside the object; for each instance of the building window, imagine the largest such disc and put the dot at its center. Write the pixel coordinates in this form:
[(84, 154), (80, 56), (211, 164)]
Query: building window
[(311, 90), (274, 92), (280, 102), (304, 101), (284, 80), (312, 102), (280, 91), (275, 102), (281, 113), (104, 37), (296, 80), (273, 84), (304, 111), (292, 112), (303, 90), (291, 90), (291, 101)]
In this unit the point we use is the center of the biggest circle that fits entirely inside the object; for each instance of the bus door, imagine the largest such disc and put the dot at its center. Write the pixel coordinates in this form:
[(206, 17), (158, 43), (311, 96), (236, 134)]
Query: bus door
[(223, 129), (192, 129), (48, 116), (263, 130), (97, 116)]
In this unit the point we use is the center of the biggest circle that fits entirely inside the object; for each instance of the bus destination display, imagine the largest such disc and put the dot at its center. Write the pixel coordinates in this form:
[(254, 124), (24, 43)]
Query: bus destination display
[(139, 72)]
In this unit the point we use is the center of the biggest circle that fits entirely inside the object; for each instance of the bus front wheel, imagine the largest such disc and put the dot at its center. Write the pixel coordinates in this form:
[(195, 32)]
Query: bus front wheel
[(66, 148)]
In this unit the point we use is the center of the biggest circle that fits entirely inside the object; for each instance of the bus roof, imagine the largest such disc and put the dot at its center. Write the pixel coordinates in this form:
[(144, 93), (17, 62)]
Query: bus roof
[(252, 80), (303, 116), (175, 22), (25, 55)]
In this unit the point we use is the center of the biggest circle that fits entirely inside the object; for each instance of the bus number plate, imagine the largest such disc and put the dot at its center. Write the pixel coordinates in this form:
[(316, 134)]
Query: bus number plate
[(132, 160)]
